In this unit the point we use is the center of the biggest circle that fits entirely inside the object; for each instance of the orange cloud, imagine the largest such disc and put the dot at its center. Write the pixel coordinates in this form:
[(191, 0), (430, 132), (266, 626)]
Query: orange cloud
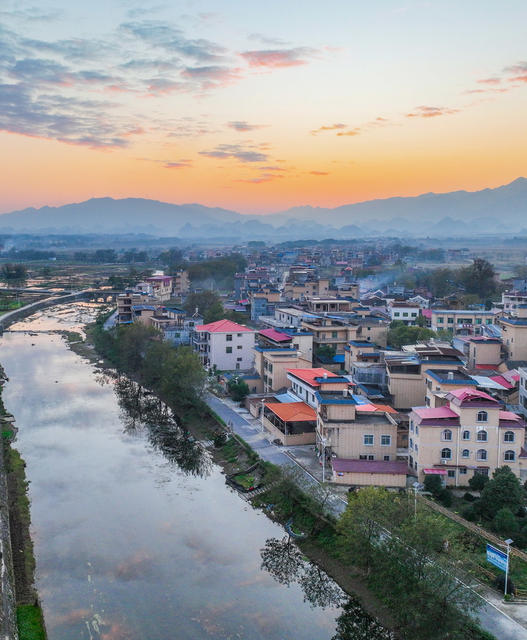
[(425, 111)]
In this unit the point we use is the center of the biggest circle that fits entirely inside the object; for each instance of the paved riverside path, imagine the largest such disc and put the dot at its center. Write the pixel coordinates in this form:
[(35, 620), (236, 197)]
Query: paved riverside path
[(493, 615), (252, 434)]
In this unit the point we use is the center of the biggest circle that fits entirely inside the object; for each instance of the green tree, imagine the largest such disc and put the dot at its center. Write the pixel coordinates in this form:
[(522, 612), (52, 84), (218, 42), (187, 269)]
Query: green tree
[(13, 274), (503, 490), (238, 388), (433, 484), (478, 278), (208, 304), (478, 481), (400, 334), (361, 525), (504, 523)]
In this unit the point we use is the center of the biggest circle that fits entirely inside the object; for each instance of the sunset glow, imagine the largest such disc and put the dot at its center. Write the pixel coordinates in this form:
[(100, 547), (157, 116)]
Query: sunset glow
[(258, 107)]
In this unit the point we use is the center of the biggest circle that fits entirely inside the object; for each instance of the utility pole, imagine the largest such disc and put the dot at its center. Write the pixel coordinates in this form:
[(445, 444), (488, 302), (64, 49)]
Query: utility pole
[(508, 542)]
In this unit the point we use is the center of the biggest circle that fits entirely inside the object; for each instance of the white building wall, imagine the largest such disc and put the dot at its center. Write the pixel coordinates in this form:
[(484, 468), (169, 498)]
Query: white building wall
[(236, 353)]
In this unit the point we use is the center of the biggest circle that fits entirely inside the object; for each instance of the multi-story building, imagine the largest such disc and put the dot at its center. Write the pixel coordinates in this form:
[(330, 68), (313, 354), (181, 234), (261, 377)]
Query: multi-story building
[(273, 363), (176, 326), (224, 345), (159, 287), (470, 434), (479, 350), (523, 390), (404, 312), (125, 303), (180, 283), (514, 334), (405, 371), (463, 321), (511, 300)]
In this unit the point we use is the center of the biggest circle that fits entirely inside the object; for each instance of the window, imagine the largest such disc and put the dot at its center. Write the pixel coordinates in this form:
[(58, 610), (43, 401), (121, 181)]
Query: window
[(466, 435), (416, 430), (450, 320), (483, 416), (239, 335), (370, 457), (446, 434), (412, 426), (386, 458), (451, 473), (440, 320), (405, 314), (228, 349), (386, 441), (509, 436), (411, 443), (462, 471), (228, 337), (240, 359), (363, 457), (465, 453), (333, 334), (446, 453), (482, 454), (510, 456), (239, 346), (368, 439), (482, 436)]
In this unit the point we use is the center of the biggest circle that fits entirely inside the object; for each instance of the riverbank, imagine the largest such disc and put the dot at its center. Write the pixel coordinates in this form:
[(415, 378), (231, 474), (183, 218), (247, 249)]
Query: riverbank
[(29, 616), (301, 512)]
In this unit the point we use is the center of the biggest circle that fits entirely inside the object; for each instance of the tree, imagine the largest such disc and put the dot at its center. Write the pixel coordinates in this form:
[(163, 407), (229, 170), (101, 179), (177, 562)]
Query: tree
[(356, 624), (208, 304), (14, 274), (326, 351), (478, 481), (433, 484), (282, 559), (238, 388), (361, 525), (503, 490), (400, 334), (504, 523), (478, 278)]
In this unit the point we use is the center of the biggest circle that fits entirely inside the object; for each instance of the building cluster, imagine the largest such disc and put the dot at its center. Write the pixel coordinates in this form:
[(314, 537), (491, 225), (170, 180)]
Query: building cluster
[(316, 357)]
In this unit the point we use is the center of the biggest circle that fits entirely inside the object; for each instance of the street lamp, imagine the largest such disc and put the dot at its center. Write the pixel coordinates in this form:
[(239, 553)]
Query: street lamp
[(508, 542)]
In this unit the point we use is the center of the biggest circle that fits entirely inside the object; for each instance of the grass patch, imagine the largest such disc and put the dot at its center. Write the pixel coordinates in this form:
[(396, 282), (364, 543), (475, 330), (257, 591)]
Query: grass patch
[(245, 480), (30, 622)]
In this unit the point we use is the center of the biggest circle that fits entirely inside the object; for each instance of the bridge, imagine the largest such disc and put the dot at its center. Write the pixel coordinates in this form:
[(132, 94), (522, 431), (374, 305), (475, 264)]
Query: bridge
[(10, 317)]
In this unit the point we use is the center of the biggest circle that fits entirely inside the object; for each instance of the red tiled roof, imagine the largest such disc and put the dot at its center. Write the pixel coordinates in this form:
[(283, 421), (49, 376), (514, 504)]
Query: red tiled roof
[(509, 416), (370, 407), (309, 375), (392, 467), (222, 326), (276, 336), (427, 413), (466, 395), (292, 411)]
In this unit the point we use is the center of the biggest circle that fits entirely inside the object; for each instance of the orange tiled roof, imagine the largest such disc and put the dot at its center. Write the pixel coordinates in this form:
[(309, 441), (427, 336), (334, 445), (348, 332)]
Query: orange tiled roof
[(292, 411)]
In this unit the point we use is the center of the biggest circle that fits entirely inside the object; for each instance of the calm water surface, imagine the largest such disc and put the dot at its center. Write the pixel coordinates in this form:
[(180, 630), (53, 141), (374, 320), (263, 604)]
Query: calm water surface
[(128, 546)]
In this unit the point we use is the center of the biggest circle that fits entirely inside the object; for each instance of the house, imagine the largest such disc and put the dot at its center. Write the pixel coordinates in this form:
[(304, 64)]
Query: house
[(177, 327), (523, 390), (125, 303), (514, 334), (470, 434), (463, 321), (224, 345), (405, 371), (273, 363), (159, 287), (180, 283), (404, 312), (479, 350)]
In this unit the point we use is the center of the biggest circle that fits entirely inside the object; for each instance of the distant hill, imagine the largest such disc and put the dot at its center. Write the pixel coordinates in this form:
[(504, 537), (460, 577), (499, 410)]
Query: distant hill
[(499, 210)]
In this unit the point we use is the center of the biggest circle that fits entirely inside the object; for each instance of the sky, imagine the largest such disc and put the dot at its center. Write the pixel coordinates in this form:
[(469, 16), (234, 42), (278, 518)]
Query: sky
[(259, 106)]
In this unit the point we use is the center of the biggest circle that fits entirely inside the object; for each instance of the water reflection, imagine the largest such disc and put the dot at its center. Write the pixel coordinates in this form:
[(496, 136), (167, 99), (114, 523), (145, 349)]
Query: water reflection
[(141, 410), (286, 563)]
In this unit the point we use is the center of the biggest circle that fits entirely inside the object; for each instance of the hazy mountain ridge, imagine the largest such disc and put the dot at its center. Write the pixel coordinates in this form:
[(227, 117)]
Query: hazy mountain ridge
[(503, 209)]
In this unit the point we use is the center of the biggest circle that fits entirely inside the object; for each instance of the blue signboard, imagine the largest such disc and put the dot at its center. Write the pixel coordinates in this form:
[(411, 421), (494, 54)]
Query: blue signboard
[(496, 557)]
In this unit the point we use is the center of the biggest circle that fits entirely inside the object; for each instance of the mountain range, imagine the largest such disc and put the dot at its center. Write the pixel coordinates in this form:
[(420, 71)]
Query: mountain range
[(457, 213)]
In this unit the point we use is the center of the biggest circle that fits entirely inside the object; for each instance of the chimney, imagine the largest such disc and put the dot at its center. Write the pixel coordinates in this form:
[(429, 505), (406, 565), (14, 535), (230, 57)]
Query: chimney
[(450, 375), (325, 376)]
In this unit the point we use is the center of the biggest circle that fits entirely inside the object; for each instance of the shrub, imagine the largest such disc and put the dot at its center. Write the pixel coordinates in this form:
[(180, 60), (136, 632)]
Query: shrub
[(478, 481), (220, 438), (469, 514), (505, 523), (445, 497), (434, 485), (469, 497)]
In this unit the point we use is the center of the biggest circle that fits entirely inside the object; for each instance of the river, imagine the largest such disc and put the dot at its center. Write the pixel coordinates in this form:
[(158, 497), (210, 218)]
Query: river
[(129, 546)]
